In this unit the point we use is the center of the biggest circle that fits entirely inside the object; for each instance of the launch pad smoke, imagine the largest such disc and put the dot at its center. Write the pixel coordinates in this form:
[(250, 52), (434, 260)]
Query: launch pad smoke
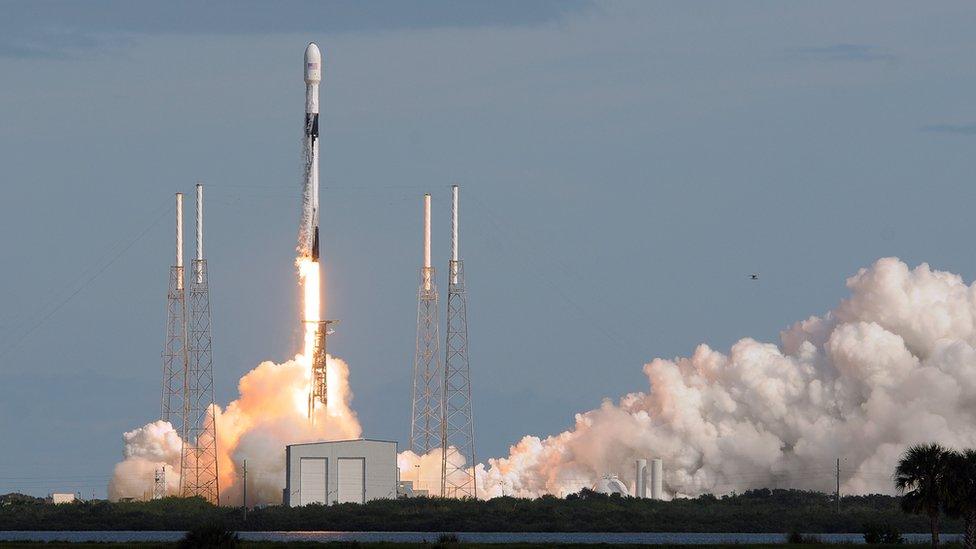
[(893, 364)]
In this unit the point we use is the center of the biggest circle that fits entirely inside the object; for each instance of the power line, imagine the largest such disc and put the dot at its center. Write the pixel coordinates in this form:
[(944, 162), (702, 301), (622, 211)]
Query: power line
[(85, 284)]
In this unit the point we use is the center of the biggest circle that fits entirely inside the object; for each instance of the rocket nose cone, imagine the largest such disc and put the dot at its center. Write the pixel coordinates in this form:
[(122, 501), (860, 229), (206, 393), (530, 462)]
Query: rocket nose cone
[(313, 63)]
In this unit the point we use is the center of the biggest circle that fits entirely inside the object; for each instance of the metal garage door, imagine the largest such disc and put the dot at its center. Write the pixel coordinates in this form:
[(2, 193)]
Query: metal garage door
[(313, 485), (352, 480)]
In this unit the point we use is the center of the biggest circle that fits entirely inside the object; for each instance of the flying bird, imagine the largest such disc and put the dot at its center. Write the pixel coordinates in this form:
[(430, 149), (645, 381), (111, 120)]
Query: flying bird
[(754, 276)]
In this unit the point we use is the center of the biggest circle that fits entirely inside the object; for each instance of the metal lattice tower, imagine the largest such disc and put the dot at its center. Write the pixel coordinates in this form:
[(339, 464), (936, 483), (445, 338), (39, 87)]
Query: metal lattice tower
[(457, 423), (159, 483), (174, 350), (198, 470), (319, 390), (425, 427)]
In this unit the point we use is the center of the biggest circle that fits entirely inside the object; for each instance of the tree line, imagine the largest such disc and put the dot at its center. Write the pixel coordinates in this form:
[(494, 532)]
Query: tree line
[(760, 510), (937, 486), (939, 482)]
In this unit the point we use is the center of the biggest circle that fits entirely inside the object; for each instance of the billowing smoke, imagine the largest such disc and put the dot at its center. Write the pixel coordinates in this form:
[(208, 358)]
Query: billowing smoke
[(425, 471), (270, 413), (892, 365), (148, 449)]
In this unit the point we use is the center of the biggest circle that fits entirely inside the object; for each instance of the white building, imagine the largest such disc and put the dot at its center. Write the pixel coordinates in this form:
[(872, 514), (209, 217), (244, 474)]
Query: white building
[(62, 498), (342, 471)]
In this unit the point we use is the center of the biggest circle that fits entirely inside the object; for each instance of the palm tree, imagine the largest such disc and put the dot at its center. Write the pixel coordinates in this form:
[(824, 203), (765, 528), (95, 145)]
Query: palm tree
[(920, 477), (960, 491)]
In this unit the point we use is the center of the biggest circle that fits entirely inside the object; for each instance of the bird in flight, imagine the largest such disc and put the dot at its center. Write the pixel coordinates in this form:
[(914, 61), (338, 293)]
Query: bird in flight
[(754, 276)]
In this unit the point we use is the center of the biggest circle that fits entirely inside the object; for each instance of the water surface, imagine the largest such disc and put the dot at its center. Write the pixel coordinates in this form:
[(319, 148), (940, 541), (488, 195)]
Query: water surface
[(679, 538)]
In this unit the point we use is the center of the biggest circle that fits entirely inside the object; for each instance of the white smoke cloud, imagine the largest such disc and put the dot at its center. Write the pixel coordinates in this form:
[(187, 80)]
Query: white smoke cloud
[(892, 365), (147, 449), (270, 413), (425, 471)]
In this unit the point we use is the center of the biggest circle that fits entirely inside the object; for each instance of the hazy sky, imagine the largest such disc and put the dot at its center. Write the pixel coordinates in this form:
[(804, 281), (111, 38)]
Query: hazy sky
[(624, 167)]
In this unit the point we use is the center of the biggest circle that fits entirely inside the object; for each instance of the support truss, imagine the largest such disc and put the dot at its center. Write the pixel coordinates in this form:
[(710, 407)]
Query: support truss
[(425, 427), (457, 423), (198, 471)]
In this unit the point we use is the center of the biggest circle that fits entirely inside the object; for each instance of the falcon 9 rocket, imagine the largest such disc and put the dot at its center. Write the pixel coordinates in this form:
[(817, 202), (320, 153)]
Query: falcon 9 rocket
[(313, 75), (314, 354)]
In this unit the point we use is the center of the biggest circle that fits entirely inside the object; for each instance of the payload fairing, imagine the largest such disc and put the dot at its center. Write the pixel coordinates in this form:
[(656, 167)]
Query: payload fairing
[(313, 75)]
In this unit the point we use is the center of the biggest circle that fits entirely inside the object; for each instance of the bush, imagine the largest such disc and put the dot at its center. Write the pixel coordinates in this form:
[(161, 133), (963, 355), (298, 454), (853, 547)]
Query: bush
[(209, 536), (882, 533), (796, 538)]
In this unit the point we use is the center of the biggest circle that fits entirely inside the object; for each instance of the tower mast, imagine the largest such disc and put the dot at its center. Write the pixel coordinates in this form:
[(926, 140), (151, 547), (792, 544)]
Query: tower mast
[(174, 348), (457, 423), (198, 471), (425, 427)]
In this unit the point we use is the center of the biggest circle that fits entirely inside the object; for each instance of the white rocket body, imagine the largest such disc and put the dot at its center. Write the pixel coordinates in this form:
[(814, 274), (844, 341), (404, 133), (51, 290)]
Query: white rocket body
[(313, 76)]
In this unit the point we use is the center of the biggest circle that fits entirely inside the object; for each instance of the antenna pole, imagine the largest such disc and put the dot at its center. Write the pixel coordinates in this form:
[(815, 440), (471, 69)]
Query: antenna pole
[(244, 498), (838, 485)]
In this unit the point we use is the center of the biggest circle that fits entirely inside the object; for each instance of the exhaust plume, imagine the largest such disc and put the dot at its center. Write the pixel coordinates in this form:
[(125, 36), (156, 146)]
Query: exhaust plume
[(270, 413), (894, 364)]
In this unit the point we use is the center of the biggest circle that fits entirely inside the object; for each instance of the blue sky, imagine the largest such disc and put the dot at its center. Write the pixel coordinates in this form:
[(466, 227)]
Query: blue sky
[(624, 167)]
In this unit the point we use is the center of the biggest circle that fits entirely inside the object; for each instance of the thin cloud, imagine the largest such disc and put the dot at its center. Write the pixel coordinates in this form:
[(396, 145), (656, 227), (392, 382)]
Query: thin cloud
[(55, 28), (844, 52), (954, 129)]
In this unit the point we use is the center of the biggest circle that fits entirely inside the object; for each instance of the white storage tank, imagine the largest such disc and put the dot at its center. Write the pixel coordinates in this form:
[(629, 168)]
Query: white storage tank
[(657, 479), (640, 482), (610, 484)]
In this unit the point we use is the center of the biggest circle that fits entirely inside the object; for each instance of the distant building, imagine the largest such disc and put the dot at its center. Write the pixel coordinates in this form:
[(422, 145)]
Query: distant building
[(405, 489), (62, 498), (346, 471), (610, 484)]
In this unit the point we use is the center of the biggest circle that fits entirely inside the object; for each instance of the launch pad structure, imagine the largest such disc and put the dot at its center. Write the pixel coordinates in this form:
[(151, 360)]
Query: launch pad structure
[(425, 426), (457, 423), (198, 465), (319, 389), (188, 391), (174, 349), (441, 416)]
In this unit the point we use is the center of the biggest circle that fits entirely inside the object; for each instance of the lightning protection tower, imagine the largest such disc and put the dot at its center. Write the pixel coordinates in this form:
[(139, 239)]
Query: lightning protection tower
[(457, 422), (425, 429), (198, 466), (174, 350), (159, 483)]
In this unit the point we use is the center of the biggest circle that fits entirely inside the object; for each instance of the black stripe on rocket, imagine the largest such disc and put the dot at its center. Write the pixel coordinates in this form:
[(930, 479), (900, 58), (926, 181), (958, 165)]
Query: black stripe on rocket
[(312, 125), (312, 131)]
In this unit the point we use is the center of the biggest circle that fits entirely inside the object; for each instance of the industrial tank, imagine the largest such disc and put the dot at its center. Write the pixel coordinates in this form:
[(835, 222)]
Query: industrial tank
[(610, 484)]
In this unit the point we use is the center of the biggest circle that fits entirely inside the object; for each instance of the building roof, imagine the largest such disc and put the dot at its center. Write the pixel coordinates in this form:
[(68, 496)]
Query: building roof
[(338, 441)]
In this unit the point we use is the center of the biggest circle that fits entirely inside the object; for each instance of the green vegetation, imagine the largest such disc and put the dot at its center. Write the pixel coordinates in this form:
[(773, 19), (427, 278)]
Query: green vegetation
[(939, 487), (937, 481), (754, 511), (213, 536), (384, 545), (883, 534)]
